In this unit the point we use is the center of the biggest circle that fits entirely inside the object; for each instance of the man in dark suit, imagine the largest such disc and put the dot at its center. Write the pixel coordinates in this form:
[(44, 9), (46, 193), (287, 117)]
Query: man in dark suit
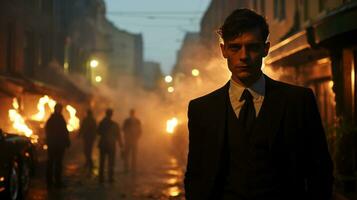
[(255, 138), (132, 132), (109, 132), (88, 132), (57, 140)]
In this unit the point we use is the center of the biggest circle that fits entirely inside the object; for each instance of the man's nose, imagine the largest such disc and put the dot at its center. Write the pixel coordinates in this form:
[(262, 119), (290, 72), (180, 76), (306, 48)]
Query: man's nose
[(243, 53)]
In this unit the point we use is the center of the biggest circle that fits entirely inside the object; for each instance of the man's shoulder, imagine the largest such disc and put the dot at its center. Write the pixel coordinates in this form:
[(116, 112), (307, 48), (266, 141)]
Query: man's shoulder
[(127, 120), (212, 96), (114, 123), (209, 102), (290, 91), (137, 120), (287, 87), (101, 121)]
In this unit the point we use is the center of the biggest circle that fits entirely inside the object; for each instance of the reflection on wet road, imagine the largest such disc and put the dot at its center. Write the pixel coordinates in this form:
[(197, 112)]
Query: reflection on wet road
[(160, 179)]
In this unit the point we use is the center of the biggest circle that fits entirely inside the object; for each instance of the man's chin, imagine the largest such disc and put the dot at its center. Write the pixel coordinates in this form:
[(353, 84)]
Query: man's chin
[(245, 77)]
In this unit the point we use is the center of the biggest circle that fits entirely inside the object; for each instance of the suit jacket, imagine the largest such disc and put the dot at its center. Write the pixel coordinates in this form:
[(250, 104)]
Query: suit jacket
[(88, 129), (57, 135), (109, 132), (289, 112), (132, 130)]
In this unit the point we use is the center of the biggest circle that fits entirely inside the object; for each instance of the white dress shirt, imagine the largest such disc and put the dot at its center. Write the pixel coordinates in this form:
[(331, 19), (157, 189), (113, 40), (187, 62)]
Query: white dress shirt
[(257, 90)]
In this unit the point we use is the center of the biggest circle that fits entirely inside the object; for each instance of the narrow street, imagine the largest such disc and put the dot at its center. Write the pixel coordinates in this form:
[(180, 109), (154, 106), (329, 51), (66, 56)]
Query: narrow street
[(159, 176)]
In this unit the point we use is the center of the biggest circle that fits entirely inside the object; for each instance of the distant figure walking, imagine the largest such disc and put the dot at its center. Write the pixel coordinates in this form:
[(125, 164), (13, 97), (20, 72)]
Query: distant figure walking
[(88, 133), (57, 139), (109, 132), (132, 133)]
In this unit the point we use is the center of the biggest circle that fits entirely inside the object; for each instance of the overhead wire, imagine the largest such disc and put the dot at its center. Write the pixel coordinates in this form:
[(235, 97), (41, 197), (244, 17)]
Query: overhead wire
[(155, 12), (153, 15)]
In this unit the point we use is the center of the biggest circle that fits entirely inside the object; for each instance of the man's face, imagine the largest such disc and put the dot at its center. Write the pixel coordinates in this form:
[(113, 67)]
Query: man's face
[(244, 55), (58, 109), (132, 113)]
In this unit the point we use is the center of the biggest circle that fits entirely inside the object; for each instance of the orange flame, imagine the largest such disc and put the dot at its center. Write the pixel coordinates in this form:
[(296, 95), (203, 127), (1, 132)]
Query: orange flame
[(18, 122), (40, 116), (174, 191), (171, 124), (73, 122)]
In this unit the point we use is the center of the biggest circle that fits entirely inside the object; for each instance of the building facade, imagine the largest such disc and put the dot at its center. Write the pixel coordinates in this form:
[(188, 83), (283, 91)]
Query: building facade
[(41, 54), (151, 75), (126, 56)]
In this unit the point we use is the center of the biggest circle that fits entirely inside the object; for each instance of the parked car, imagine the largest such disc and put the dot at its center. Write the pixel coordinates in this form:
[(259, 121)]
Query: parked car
[(16, 165)]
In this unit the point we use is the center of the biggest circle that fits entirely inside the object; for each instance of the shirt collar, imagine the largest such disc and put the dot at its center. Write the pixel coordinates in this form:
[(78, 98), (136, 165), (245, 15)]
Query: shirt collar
[(257, 89)]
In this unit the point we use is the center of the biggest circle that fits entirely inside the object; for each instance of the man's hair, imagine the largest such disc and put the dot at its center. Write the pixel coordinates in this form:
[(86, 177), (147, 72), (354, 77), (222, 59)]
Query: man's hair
[(89, 112), (58, 107), (109, 112), (132, 110), (243, 20)]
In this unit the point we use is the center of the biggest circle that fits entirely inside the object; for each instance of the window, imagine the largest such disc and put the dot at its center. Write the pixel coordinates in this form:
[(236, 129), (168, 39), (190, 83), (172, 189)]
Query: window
[(279, 10), (29, 53), (276, 9), (282, 10), (255, 5), (306, 10), (9, 48), (262, 7), (39, 51), (39, 4), (322, 6)]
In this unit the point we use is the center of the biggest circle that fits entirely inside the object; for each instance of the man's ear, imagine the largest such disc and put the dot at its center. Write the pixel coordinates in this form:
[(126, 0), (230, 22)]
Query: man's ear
[(223, 50), (266, 49)]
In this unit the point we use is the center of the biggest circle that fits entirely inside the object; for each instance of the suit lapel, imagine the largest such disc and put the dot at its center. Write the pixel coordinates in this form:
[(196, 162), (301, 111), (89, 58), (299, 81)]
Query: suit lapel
[(220, 108), (215, 131), (271, 112)]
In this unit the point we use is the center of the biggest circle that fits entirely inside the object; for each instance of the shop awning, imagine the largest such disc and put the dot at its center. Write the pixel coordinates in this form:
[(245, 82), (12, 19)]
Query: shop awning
[(336, 28), (8, 88), (16, 85)]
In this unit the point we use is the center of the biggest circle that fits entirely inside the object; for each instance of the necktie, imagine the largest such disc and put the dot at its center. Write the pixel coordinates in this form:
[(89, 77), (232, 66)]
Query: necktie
[(247, 112)]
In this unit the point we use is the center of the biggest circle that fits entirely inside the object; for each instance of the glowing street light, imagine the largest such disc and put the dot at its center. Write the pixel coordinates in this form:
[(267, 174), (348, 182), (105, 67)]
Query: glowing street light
[(168, 79), (94, 63), (170, 89), (98, 79), (171, 124), (195, 72)]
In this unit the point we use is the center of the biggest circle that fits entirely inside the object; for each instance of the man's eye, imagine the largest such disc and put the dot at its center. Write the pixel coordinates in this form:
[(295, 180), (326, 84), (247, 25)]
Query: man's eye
[(253, 47), (235, 47)]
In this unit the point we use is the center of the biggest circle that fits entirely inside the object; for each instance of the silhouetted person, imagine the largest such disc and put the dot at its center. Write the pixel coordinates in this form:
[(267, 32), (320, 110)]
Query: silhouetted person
[(57, 139), (109, 132), (132, 133), (255, 138), (88, 132)]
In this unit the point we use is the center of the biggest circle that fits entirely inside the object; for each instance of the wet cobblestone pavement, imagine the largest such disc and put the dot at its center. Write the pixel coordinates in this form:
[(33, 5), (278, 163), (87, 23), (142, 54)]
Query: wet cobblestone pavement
[(160, 179)]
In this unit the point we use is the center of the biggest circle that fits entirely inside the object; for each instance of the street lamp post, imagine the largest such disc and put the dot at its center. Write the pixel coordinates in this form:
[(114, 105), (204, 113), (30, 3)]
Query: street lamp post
[(170, 89), (93, 63), (168, 79), (195, 72), (98, 79)]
